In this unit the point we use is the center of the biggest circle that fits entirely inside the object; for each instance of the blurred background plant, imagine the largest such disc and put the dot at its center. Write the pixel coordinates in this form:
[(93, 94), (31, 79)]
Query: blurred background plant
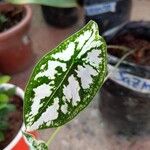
[(5, 106), (60, 13), (3, 19)]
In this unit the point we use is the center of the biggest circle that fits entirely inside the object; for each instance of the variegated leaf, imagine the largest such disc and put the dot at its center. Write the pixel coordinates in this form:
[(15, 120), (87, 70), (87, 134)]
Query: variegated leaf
[(66, 79), (33, 143)]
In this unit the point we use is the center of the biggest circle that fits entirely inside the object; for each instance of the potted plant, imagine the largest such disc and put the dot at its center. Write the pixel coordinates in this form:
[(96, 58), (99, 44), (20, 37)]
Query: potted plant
[(60, 13), (64, 82), (125, 96), (11, 119), (11, 122), (15, 45), (59, 81)]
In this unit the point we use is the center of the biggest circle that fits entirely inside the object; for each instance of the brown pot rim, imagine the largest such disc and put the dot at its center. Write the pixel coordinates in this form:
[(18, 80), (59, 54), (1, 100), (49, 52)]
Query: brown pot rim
[(23, 23)]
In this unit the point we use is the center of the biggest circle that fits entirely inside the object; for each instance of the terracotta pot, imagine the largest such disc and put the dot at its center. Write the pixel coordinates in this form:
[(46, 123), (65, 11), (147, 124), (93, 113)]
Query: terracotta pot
[(15, 45), (18, 143)]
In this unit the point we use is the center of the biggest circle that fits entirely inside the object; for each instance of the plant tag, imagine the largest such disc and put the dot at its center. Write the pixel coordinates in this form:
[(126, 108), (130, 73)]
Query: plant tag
[(97, 9), (130, 81)]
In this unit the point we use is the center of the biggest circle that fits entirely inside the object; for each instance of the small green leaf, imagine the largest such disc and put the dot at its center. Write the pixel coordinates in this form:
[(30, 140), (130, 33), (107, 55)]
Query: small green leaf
[(3, 125), (3, 107), (4, 79), (54, 3), (6, 108), (3, 98), (66, 79), (9, 92), (33, 143)]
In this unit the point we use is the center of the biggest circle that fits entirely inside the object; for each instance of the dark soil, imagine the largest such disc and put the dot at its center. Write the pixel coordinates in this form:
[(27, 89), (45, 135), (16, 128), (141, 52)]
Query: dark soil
[(15, 121), (10, 18), (142, 45)]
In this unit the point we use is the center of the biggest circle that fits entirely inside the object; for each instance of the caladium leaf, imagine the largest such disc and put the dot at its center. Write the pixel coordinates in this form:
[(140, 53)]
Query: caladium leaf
[(33, 143), (54, 3), (66, 79)]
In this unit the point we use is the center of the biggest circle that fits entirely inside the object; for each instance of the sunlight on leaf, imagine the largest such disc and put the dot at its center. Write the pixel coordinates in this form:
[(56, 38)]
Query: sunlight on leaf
[(66, 79)]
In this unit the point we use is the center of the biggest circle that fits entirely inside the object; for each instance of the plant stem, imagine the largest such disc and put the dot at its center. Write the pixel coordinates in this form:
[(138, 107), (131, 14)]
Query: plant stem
[(124, 57), (53, 136), (130, 51), (124, 48)]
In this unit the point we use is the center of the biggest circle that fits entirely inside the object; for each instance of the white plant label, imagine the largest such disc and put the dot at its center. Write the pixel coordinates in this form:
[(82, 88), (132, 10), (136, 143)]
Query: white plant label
[(97, 9), (130, 81)]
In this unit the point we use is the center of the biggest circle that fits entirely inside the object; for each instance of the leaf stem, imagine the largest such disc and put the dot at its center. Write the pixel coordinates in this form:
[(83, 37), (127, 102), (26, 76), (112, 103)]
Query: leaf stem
[(53, 136), (124, 48), (130, 51)]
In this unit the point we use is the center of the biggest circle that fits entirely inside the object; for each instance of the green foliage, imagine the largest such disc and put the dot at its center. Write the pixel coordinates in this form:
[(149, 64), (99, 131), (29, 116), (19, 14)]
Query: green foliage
[(1, 136), (54, 3), (3, 19), (5, 106), (65, 80), (4, 79)]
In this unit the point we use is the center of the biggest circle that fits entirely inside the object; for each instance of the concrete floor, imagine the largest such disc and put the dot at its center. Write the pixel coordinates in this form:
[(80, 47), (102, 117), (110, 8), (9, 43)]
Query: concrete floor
[(86, 131)]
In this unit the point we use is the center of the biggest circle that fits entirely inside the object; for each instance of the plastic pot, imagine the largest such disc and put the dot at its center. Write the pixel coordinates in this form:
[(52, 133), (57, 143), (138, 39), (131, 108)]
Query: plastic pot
[(18, 143), (60, 17), (15, 45), (125, 96), (110, 15)]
